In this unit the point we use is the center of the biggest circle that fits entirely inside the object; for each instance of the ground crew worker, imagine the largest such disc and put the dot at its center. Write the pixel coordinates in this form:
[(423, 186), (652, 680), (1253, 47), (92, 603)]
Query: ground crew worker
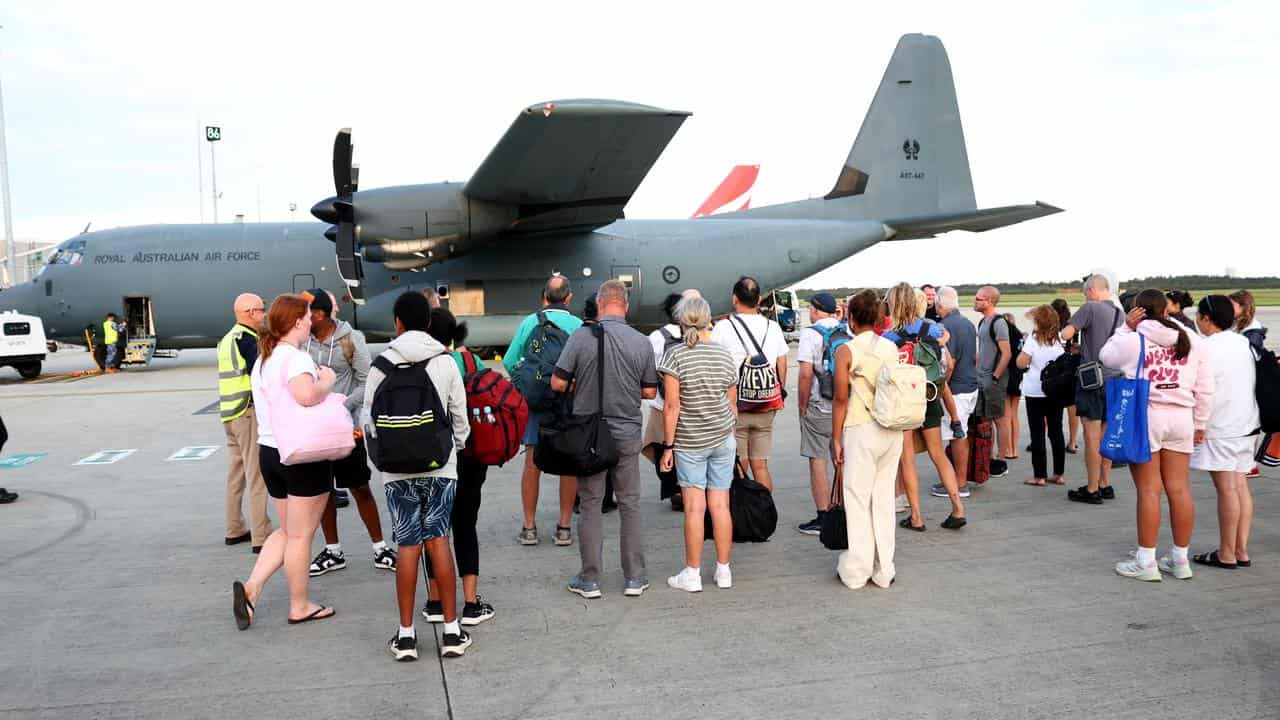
[(237, 352), (110, 337)]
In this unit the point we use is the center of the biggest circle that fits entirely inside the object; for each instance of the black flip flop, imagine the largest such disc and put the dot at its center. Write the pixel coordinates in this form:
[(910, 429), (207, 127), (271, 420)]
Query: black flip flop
[(1244, 563), (1211, 559), (240, 606), (314, 616), (1070, 450), (953, 523), (906, 523)]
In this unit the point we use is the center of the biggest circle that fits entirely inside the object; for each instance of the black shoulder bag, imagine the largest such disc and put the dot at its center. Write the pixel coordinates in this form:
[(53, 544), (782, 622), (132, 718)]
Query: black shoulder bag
[(578, 445)]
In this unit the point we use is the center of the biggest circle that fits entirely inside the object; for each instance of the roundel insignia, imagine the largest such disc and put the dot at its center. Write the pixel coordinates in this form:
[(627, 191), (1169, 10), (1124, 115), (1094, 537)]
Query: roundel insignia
[(671, 274)]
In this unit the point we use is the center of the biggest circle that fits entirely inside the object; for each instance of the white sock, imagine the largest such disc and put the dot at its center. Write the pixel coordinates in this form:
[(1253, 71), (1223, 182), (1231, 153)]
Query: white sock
[(407, 631), (380, 546), (1146, 557), (722, 566), (1179, 555), (452, 628), (335, 548)]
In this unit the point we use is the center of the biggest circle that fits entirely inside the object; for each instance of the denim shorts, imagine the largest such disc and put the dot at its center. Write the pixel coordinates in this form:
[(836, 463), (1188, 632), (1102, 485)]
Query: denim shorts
[(531, 428), (709, 468), (420, 508)]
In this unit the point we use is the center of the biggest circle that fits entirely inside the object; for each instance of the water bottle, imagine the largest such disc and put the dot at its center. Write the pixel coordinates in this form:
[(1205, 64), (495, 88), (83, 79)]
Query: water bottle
[(475, 416), (488, 415)]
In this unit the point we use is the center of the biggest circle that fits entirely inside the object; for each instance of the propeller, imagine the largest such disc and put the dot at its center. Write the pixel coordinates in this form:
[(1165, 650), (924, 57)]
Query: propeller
[(345, 181)]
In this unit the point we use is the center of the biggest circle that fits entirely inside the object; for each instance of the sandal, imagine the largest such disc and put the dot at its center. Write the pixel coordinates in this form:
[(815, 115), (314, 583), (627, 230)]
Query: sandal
[(1244, 563), (1010, 457), (1212, 559), (906, 523), (240, 606), (1036, 482), (954, 523), (317, 615), (1072, 449), (1059, 480)]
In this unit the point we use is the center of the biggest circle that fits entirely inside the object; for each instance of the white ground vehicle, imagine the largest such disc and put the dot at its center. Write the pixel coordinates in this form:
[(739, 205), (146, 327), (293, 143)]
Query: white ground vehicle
[(22, 343)]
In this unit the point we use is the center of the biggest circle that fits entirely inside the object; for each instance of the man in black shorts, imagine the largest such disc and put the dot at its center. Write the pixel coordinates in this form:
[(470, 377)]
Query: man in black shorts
[(1093, 323), (334, 344)]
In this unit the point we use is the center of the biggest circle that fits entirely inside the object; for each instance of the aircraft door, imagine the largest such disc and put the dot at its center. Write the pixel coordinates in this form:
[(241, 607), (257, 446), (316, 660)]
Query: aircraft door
[(302, 283)]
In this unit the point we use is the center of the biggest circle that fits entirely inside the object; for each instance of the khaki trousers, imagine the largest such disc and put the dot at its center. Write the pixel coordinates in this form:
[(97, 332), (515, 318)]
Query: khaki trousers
[(870, 468), (242, 471)]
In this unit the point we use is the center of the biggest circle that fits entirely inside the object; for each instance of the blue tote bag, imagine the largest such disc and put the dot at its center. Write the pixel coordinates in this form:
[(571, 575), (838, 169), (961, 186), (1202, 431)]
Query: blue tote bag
[(1126, 439)]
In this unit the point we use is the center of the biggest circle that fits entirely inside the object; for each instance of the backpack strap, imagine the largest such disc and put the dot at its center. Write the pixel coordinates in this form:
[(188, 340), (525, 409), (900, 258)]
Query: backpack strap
[(759, 350), (468, 362), (385, 366), (666, 335), (598, 330)]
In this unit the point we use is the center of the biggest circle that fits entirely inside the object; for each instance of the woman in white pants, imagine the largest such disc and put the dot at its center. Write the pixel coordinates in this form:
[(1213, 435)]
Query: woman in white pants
[(868, 452)]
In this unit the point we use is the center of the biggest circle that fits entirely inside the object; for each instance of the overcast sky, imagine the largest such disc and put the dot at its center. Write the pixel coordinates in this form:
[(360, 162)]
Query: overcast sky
[(1151, 123)]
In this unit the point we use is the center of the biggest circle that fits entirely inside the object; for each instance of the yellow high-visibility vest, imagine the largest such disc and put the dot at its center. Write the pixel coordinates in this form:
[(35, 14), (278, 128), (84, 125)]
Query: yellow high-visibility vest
[(235, 391), (109, 334)]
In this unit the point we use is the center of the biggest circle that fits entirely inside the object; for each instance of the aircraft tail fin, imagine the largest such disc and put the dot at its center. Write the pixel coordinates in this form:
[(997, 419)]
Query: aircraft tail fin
[(733, 193), (909, 157)]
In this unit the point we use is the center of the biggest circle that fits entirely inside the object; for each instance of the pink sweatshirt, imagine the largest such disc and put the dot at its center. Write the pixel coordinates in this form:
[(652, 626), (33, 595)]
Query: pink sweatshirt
[(1182, 383)]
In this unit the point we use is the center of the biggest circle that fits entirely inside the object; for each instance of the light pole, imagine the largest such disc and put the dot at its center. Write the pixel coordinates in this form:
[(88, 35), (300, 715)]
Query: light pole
[(11, 262), (213, 134)]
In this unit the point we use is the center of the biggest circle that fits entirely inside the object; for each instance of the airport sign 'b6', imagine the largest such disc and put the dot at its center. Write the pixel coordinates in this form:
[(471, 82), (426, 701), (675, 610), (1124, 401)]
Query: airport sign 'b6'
[(212, 134)]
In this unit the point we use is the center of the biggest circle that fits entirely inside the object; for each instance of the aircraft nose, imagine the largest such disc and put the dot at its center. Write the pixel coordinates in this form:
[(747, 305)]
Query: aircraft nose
[(326, 210)]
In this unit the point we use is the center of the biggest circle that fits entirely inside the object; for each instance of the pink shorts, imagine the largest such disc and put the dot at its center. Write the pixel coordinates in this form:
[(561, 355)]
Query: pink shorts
[(1171, 427)]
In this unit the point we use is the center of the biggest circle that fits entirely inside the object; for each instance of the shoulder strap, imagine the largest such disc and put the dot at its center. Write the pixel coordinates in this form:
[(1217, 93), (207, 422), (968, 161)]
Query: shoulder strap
[(598, 330), (468, 361), (385, 366), (667, 334), (743, 323)]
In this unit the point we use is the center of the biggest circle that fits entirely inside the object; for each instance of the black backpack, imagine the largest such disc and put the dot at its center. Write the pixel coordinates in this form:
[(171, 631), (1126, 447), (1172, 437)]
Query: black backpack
[(579, 445), (1058, 378), (412, 432), (668, 341), (1267, 389), (532, 375)]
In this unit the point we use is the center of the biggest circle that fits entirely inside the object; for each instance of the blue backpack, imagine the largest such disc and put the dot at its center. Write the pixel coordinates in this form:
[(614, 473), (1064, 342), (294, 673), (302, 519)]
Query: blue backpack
[(532, 375), (832, 339)]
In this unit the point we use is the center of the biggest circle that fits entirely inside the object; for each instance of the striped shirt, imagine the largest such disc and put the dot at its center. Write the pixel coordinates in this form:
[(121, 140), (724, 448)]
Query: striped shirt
[(706, 373)]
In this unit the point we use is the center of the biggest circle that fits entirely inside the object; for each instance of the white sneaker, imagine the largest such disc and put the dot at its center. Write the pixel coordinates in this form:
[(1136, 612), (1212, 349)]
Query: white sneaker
[(1131, 569), (724, 578), (689, 580), (1181, 571), (901, 504)]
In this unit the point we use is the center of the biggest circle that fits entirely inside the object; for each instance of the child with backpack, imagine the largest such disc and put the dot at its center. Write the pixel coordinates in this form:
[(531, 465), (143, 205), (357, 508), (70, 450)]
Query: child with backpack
[(415, 420), (497, 414), (920, 343)]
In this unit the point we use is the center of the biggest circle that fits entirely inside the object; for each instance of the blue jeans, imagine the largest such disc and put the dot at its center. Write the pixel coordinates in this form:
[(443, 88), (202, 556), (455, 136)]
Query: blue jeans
[(709, 468)]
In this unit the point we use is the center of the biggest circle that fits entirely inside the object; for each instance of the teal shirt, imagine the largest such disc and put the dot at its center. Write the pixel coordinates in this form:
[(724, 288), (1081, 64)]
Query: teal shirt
[(557, 314)]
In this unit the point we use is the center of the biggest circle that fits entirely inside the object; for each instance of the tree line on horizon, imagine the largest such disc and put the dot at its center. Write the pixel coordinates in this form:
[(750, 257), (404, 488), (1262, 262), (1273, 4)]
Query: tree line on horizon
[(1166, 282)]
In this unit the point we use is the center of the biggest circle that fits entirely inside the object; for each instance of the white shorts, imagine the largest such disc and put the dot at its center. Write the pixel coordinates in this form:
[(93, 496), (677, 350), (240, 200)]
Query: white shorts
[(966, 403), (1224, 455)]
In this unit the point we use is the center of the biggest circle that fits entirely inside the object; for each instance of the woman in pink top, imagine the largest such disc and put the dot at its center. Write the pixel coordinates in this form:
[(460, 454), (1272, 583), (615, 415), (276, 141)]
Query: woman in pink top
[(1180, 403)]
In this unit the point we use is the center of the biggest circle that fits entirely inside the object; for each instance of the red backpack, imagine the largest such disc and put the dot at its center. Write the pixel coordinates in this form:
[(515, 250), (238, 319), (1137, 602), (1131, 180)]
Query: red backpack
[(497, 412)]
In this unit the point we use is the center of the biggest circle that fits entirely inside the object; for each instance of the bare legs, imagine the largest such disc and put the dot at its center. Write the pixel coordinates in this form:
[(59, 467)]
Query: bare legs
[(760, 471), (529, 485), (910, 480), (1009, 439), (819, 484), (1168, 472), (442, 575), (1235, 515), (1074, 427), (933, 443), (368, 513), (289, 546), (1098, 467), (696, 503)]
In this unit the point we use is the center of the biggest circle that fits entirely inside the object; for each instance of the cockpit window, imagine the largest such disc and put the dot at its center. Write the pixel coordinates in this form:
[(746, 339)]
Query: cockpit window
[(71, 253)]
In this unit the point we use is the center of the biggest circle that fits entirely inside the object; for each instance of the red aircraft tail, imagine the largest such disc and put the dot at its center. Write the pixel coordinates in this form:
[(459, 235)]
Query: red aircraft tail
[(734, 189)]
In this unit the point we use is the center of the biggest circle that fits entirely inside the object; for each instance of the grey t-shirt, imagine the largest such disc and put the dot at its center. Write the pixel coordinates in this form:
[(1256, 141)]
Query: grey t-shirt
[(988, 349), (1096, 321), (963, 347), (706, 372), (628, 367)]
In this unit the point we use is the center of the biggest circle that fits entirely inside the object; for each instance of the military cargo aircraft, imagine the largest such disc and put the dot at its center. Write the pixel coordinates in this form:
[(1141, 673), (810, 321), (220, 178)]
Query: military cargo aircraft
[(549, 198)]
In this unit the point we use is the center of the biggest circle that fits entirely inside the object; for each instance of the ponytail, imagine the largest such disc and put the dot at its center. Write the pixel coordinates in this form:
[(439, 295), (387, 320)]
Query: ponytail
[(285, 312), (1156, 304), (694, 315)]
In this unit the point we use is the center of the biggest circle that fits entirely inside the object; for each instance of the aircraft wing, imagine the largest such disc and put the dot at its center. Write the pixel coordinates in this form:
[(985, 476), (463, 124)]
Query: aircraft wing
[(573, 163), (915, 228)]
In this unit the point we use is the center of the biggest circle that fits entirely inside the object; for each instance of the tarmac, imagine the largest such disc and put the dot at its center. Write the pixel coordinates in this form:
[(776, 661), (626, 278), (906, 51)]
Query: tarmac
[(115, 598)]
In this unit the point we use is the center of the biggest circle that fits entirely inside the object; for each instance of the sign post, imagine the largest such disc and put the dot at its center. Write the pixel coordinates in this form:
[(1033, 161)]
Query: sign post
[(213, 134)]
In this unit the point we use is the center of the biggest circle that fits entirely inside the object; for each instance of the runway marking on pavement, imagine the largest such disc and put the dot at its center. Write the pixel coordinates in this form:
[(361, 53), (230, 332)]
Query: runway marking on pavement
[(13, 462), (213, 408), (106, 457), (63, 377), (193, 453)]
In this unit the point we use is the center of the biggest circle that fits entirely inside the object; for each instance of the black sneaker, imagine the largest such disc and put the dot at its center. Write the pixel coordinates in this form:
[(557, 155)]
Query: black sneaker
[(433, 611), (327, 562), (405, 649), (1107, 493), (455, 645), (998, 468), (341, 498), (813, 527), (475, 613), (677, 503), (1082, 495)]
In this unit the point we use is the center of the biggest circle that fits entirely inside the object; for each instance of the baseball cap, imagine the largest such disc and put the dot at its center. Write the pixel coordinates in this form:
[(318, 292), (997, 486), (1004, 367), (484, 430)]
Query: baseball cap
[(320, 301), (824, 301)]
